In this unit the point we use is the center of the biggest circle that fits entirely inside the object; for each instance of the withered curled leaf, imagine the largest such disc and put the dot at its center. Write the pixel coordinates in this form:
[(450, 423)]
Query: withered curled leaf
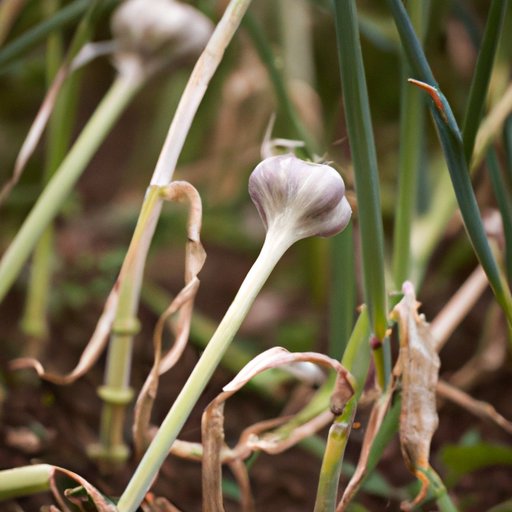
[(418, 364)]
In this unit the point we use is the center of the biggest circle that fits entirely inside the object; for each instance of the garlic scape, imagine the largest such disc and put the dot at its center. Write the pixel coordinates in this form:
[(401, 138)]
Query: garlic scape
[(298, 199), (295, 199)]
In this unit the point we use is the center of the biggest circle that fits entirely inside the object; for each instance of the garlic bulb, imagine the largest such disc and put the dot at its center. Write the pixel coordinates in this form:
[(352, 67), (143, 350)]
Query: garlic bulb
[(299, 199), (149, 33)]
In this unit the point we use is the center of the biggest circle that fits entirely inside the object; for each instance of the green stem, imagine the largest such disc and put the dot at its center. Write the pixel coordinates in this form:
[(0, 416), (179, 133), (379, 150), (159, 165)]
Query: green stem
[(482, 75), (116, 391), (198, 379), (34, 322), (19, 482), (356, 359), (343, 292), (59, 187), (504, 204), (443, 499), (411, 140), (358, 119), (330, 471)]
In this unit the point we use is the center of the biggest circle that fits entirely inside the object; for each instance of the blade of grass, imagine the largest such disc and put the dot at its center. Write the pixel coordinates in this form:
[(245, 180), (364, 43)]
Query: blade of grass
[(482, 75), (342, 302), (362, 145), (411, 143), (451, 142), (66, 16), (504, 204)]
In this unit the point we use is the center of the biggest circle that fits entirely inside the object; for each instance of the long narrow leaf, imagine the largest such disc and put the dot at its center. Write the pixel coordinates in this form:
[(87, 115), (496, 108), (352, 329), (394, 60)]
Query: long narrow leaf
[(412, 116), (34, 36), (451, 142), (504, 204), (358, 119), (482, 75)]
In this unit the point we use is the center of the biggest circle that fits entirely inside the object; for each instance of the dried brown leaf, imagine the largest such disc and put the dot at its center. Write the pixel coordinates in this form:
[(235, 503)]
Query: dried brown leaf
[(182, 305), (99, 501), (212, 435), (91, 353), (239, 470), (418, 364), (35, 131), (213, 422)]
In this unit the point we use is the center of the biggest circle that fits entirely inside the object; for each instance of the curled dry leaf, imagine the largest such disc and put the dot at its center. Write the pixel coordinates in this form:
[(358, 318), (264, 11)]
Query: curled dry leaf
[(182, 305), (101, 503), (91, 352), (213, 423), (418, 364)]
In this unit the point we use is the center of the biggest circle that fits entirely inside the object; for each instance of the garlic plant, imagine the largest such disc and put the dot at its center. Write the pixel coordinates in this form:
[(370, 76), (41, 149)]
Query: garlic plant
[(295, 199)]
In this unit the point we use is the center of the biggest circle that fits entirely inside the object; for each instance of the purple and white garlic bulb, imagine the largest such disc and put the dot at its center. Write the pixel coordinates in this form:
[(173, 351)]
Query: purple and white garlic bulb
[(298, 199)]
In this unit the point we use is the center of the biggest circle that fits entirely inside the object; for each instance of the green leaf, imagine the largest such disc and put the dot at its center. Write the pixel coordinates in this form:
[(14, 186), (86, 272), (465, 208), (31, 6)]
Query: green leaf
[(364, 157), (462, 460)]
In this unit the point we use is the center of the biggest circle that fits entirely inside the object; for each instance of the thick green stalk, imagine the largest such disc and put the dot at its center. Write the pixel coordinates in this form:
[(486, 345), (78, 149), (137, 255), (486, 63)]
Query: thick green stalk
[(59, 187), (411, 142), (199, 378), (20, 482), (358, 119), (356, 359), (342, 284), (116, 391), (330, 471), (482, 75)]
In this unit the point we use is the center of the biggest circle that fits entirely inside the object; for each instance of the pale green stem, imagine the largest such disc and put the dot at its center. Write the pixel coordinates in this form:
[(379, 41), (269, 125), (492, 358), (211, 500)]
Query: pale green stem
[(34, 322), (158, 450), (59, 187), (116, 392), (330, 472), (412, 111), (19, 482)]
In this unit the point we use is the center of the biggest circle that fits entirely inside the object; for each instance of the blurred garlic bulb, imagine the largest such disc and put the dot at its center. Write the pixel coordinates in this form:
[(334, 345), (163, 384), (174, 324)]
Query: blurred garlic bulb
[(298, 199), (150, 33)]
